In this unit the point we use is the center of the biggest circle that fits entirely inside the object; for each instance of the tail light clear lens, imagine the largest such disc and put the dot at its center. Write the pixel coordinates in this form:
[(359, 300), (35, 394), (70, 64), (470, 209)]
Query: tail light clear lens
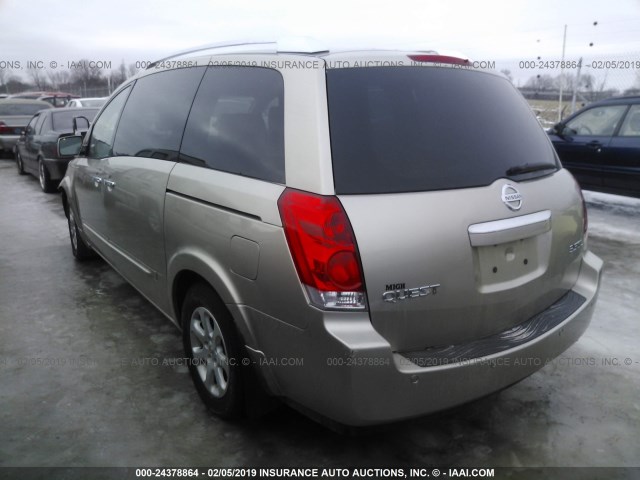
[(324, 250), (585, 217)]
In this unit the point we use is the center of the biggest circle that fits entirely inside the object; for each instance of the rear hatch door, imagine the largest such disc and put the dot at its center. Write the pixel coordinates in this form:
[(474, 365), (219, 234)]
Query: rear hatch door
[(462, 216)]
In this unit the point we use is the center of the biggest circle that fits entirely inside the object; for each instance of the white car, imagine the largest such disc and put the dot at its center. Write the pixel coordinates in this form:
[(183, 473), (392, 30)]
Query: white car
[(86, 102)]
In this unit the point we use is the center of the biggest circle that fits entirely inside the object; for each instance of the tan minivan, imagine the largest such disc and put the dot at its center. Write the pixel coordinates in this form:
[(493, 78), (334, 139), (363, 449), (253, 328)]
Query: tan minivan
[(367, 235)]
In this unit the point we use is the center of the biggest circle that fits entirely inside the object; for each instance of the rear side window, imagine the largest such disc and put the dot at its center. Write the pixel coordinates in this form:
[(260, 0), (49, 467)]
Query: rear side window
[(427, 128), (153, 120), (237, 123), (43, 125), (31, 127)]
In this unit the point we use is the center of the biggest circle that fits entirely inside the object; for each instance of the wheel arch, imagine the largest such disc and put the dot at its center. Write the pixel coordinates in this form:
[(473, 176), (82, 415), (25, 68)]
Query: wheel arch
[(65, 188), (65, 201), (259, 385), (188, 267)]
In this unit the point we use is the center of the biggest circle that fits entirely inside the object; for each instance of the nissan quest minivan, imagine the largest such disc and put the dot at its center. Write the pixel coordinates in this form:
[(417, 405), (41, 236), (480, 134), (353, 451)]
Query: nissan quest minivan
[(367, 235)]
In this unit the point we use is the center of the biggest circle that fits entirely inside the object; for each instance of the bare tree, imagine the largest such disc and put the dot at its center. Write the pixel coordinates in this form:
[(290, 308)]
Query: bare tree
[(117, 76), (541, 82), (58, 78), (37, 78), (86, 74), (507, 73), (14, 84), (132, 70), (4, 74), (565, 80)]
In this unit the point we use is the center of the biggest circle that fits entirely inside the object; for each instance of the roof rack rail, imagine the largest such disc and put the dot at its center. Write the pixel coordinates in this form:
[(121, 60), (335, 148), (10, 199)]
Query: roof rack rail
[(306, 45), (211, 46)]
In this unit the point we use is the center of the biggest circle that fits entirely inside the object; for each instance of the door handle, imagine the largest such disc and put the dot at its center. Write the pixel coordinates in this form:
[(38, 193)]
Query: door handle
[(96, 181), (109, 184), (595, 145)]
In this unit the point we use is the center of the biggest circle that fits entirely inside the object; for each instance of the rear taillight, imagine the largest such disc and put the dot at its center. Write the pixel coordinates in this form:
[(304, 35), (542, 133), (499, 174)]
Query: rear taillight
[(585, 216), (324, 249), (5, 130)]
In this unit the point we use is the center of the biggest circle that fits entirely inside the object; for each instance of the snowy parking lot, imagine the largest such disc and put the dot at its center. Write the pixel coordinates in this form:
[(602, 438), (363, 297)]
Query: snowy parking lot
[(87, 379)]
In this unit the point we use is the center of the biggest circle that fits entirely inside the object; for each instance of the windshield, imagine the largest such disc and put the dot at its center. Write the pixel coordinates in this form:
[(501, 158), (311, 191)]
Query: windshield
[(428, 128)]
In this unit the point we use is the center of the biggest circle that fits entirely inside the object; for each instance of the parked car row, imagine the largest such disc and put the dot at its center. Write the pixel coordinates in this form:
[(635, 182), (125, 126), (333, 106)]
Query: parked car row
[(30, 129), (36, 150), (59, 99), (56, 99), (15, 114)]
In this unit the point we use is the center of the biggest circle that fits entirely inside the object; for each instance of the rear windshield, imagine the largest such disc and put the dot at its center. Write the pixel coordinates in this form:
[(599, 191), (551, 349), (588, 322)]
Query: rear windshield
[(63, 121), (428, 128), (20, 109)]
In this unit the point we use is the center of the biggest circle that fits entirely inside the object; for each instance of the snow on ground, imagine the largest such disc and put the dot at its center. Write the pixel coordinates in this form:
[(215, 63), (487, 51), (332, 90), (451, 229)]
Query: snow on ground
[(613, 216)]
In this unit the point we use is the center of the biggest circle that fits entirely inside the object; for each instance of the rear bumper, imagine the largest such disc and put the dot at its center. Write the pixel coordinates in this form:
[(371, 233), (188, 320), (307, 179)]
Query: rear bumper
[(7, 142), (342, 369)]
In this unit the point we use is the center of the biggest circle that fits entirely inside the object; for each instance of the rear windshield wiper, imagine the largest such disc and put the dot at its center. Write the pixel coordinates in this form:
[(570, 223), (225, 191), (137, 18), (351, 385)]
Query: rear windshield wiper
[(531, 167)]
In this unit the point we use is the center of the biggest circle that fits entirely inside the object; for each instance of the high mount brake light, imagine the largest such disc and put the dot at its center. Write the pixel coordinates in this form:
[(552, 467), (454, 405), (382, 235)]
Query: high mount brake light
[(440, 59), (324, 250)]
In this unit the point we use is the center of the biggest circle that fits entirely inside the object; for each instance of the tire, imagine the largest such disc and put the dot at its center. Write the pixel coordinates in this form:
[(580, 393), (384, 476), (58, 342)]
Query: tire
[(45, 180), (19, 163), (213, 348), (81, 251)]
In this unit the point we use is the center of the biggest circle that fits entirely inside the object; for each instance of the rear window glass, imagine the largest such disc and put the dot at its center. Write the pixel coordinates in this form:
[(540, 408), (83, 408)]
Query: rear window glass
[(20, 109), (428, 128), (63, 121)]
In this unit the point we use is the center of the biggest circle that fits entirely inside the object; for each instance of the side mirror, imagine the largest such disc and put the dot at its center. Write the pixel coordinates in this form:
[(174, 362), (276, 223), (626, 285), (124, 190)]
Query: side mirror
[(75, 123), (69, 146), (558, 129)]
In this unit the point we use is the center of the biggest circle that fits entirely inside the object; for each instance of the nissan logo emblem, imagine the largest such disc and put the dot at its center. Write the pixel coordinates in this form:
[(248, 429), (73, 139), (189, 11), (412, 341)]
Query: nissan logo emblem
[(511, 197)]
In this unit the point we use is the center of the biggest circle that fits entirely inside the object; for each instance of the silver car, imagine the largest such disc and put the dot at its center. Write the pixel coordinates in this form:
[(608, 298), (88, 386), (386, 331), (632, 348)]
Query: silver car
[(15, 114), (367, 235)]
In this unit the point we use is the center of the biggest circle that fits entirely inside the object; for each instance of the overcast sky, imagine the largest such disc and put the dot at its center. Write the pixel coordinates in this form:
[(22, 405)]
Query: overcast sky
[(132, 30)]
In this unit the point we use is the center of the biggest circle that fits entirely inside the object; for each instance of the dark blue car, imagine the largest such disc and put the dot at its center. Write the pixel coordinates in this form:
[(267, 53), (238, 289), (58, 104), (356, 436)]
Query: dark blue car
[(600, 145)]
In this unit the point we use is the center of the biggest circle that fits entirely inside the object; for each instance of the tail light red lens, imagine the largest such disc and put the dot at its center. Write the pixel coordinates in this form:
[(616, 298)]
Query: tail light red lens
[(5, 130), (323, 248)]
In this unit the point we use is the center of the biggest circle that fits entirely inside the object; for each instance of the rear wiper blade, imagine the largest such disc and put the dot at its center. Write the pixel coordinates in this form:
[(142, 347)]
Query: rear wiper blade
[(531, 167)]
